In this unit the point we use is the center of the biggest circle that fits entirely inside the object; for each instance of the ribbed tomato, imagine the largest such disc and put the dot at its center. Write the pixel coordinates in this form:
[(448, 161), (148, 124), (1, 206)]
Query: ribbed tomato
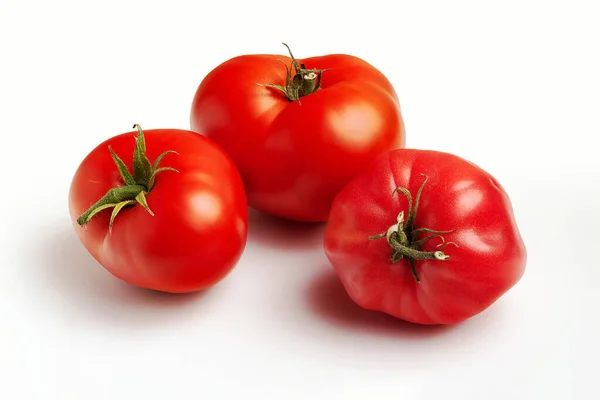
[(425, 236)]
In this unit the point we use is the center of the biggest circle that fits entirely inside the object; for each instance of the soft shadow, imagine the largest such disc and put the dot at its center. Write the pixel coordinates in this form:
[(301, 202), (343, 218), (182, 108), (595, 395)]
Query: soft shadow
[(284, 234), (82, 289), (328, 299)]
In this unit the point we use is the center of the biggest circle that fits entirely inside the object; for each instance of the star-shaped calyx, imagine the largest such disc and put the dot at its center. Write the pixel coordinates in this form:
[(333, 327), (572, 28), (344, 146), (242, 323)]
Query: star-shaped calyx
[(304, 81), (403, 237), (136, 187)]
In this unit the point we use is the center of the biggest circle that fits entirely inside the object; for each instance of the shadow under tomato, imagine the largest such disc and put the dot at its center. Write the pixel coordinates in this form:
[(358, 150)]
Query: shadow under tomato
[(84, 290), (283, 234), (328, 299)]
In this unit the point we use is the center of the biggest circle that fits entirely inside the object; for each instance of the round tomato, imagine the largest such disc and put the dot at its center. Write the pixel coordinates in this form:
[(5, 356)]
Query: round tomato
[(298, 130), (424, 236), (173, 218)]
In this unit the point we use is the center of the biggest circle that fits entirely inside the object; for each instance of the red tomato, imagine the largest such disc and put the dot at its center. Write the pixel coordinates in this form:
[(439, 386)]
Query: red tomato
[(439, 249), (298, 143), (184, 232)]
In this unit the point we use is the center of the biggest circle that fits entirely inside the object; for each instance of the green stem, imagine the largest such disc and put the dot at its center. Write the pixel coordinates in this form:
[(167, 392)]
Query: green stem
[(302, 83), (309, 83), (112, 197), (136, 187), (413, 253), (403, 237)]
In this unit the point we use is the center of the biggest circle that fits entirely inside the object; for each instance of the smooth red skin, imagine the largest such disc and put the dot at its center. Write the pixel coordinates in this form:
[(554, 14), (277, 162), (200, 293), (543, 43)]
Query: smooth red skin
[(294, 158), (490, 260), (185, 246)]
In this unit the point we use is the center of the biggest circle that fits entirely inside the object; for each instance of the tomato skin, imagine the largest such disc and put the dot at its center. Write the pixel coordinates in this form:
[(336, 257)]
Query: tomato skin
[(294, 158), (490, 259), (200, 223)]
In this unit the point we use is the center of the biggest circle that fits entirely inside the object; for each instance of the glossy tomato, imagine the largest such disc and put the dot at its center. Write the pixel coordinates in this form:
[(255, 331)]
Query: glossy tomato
[(298, 138), (171, 218), (426, 237)]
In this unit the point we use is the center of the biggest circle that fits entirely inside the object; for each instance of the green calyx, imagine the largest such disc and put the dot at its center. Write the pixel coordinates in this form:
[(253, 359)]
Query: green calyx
[(403, 237), (137, 186), (302, 83)]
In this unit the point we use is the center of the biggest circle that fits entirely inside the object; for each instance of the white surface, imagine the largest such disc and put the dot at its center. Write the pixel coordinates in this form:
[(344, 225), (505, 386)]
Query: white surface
[(513, 86)]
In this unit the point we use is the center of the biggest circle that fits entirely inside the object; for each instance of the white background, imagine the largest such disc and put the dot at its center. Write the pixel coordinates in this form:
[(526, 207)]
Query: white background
[(513, 86)]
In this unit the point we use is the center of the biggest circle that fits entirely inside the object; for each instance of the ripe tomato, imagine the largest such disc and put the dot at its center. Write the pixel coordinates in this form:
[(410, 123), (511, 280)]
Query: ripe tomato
[(180, 226), (426, 237), (298, 138)]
